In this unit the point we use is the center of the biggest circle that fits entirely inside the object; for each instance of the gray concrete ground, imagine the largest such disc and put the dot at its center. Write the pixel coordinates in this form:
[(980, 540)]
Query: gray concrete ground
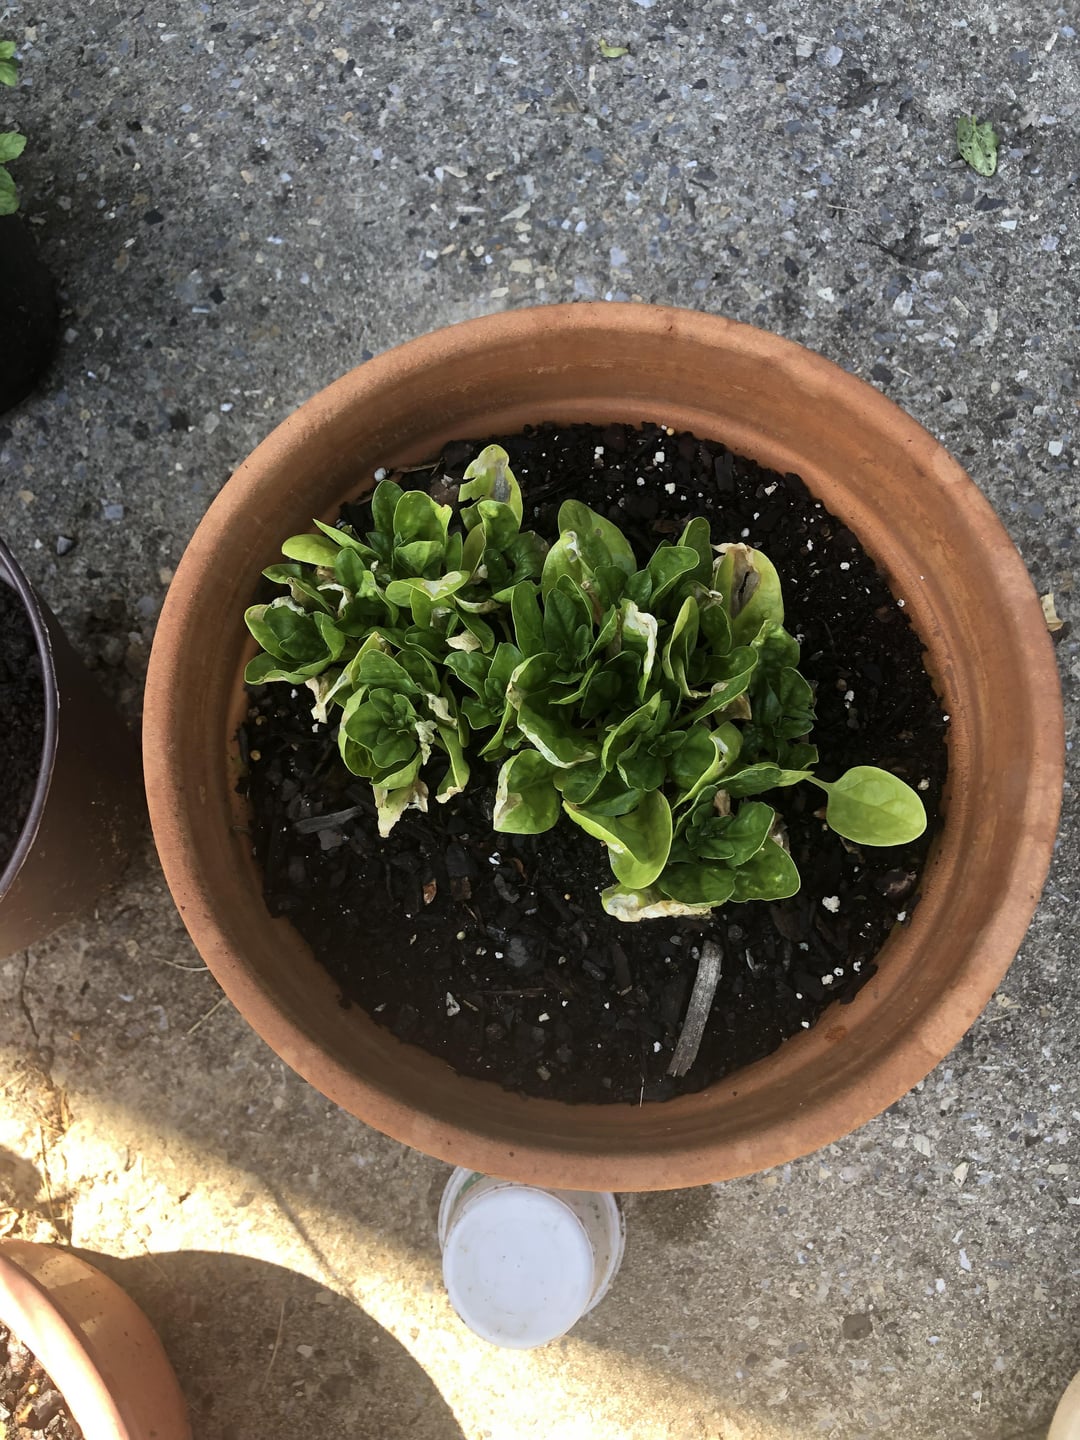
[(242, 200)]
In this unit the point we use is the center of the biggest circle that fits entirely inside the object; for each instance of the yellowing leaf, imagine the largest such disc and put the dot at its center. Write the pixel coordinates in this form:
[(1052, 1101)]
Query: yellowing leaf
[(612, 52)]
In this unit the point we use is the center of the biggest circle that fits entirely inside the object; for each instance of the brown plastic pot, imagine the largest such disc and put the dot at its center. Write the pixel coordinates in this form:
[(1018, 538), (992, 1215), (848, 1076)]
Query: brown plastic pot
[(916, 512), (88, 799), (99, 1349)]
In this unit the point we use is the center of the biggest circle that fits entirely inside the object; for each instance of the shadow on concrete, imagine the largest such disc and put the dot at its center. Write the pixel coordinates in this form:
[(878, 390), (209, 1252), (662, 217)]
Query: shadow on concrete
[(265, 1354)]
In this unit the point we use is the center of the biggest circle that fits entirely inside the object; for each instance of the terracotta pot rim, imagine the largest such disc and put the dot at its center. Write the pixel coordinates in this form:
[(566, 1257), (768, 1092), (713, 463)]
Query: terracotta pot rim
[(11, 572), (545, 1150), (44, 1326)]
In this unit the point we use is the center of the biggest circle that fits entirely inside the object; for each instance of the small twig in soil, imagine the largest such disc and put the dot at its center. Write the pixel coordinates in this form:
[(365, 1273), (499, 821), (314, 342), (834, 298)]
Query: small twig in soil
[(697, 1012), (203, 1018), (277, 1341)]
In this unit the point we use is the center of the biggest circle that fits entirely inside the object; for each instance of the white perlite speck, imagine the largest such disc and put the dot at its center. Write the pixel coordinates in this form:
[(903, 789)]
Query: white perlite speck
[(831, 903), (452, 1006)]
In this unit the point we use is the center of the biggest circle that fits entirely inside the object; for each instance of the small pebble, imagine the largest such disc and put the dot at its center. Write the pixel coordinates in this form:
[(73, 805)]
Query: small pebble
[(65, 544)]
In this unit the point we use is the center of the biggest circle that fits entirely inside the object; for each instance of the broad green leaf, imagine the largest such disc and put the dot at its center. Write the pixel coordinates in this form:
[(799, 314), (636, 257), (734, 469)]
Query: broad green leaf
[(605, 587), (638, 843), (669, 565), (528, 619), (579, 784), (599, 542), (418, 517), (9, 71), (697, 537), (472, 552), (564, 558), (489, 477), (698, 759), (700, 885), (770, 874), (529, 676), (715, 623), (283, 629), (641, 768), (526, 801), (7, 49), (311, 550), (424, 596), (457, 774), (642, 721), (471, 668), (871, 807), (782, 706), (12, 145), (756, 779), (346, 537), (9, 195), (526, 554), (545, 727), (568, 631), (420, 558), (384, 503), (499, 523), (723, 692), (611, 798), (748, 829), (384, 672), (264, 668), (775, 648), (679, 649), (977, 144)]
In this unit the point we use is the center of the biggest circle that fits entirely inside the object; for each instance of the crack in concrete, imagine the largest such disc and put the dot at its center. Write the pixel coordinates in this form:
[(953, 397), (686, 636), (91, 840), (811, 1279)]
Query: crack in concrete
[(25, 1005)]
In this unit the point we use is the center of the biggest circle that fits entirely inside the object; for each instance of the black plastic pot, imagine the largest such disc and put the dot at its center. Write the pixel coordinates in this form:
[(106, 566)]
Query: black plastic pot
[(30, 313), (88, 803)]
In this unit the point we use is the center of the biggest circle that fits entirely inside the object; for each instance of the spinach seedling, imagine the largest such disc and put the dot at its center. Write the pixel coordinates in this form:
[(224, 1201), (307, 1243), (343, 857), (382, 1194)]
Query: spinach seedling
[(651, 704), (12, 144)]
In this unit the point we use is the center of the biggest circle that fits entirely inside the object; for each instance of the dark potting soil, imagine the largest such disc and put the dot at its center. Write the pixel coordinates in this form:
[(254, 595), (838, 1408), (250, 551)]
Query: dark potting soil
[(493, 950), (31, 1407), (22, 718)]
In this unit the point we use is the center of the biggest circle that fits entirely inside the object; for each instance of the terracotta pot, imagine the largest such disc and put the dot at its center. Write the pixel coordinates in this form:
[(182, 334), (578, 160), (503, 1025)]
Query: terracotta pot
[(87, 804), (915, 511), (98, 1347)]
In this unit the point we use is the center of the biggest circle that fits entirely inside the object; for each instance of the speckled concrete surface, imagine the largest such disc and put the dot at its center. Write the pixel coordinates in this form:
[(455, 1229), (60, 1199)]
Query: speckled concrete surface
[(242, 200)]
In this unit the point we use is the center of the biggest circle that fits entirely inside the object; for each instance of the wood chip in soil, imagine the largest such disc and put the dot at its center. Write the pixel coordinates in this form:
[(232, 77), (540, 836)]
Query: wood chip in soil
[(492, 951)]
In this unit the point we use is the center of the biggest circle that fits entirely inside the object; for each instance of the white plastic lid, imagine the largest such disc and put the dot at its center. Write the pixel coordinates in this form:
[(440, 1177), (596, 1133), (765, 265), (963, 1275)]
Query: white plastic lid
[(518, 1267)]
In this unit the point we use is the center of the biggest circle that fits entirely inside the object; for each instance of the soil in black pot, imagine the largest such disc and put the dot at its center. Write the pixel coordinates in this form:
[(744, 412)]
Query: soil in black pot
[(22, 718), (493, 950), (31, 318), (31, 1407)]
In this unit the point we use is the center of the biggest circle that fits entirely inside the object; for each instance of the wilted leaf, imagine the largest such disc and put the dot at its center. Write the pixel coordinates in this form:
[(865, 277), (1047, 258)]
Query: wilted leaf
[(612, 52), (977, 143), (12, 145)]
